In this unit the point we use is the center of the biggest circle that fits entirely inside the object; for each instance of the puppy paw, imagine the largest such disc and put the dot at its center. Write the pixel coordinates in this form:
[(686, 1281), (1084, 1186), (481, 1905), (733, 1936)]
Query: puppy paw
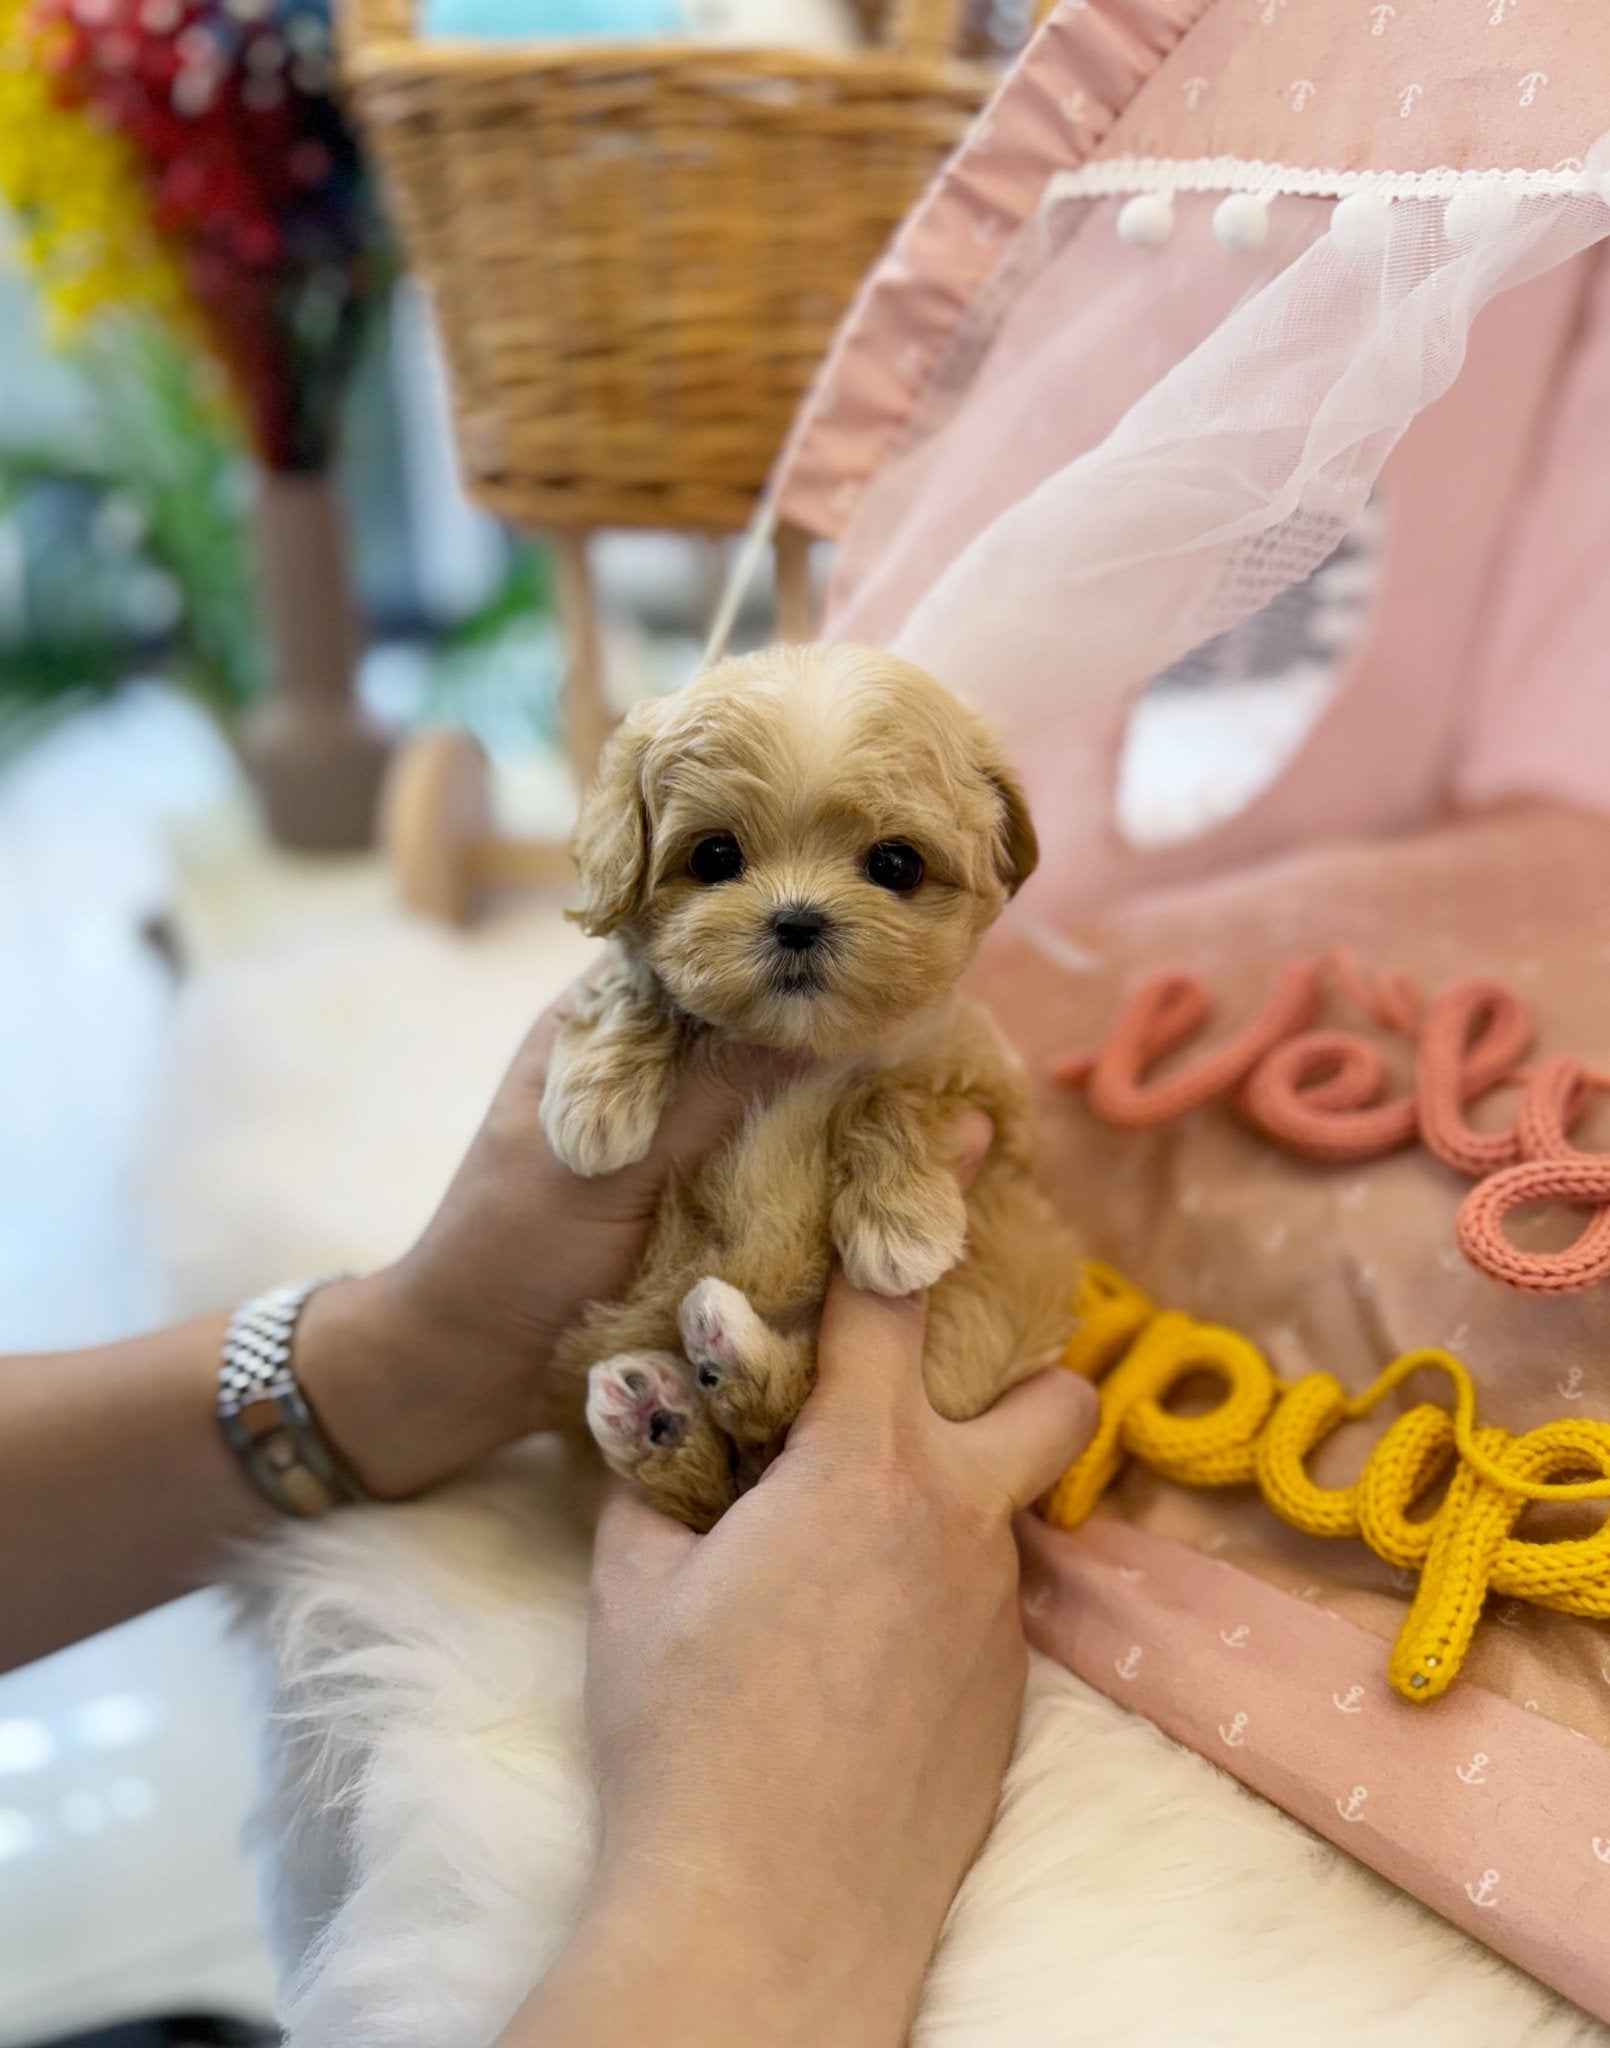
[(638, 1403), (646, 1417), (886, 1252), (753, 1378), (595, 1130)]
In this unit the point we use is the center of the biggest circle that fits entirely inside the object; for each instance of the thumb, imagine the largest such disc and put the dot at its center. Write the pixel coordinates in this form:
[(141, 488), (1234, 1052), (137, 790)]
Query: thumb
[(868, 1357), (1034, 1432)]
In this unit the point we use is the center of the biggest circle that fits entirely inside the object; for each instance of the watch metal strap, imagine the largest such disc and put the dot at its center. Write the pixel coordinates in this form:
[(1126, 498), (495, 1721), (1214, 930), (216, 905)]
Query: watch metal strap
[(263, 1413)]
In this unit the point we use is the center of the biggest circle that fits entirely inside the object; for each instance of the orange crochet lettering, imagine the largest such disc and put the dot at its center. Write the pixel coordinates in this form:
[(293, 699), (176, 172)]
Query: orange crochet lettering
[(1324, 1093)]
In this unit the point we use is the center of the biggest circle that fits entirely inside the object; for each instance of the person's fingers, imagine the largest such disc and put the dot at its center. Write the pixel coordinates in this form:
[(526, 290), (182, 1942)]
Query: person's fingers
[(719, 1079), (1034, 1432), (868, 1355), (635, 1541)]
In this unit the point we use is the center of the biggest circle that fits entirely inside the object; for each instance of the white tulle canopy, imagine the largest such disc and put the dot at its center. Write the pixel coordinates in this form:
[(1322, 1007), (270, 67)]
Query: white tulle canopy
[(1109, 397)]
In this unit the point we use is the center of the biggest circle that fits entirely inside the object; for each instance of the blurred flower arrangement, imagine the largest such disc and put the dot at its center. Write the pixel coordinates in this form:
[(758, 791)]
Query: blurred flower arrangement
[(188, 156), (186, 161)]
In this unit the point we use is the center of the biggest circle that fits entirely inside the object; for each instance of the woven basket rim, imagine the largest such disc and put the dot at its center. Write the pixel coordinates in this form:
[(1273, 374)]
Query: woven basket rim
[(397, 56)]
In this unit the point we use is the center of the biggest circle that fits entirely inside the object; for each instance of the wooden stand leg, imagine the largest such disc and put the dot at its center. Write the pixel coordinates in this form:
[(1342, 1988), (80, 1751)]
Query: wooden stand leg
[(316, 759), (584, 712), (792, 551)]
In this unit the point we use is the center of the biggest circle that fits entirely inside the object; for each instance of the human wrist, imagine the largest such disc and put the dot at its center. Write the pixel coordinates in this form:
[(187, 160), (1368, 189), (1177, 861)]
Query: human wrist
[(682, 1951), (362, 1362)]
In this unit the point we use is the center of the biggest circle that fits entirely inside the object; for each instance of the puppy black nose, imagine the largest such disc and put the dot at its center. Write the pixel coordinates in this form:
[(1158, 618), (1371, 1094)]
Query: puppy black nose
[(797, 927)]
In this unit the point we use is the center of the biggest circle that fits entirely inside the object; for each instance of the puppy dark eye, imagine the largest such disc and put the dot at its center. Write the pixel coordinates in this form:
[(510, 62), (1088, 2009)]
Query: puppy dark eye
[(893, 865), (717, 859)]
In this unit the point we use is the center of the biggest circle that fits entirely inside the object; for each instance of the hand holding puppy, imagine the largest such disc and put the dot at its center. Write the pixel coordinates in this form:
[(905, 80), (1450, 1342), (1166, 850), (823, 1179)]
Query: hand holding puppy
[(425, 1366), (800, 1722)]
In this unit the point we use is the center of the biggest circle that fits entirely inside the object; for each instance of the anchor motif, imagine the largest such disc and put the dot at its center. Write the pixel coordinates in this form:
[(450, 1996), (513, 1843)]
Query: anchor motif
[(1352, 1808), (1350, 1702), (1482, 1894), (1531, 85), (1501, 8), (1235, 1736), (1302, 91), (1601, 1848), (1236, 1638), (1475, 1772), (1403, 1579), (1507, 1613), (1194, 89), (1406, 100), (1128, 1665), (1379, 17), (1571, 1386)]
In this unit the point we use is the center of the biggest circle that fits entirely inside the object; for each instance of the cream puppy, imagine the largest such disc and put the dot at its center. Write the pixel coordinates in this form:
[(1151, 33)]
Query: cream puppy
[(802, 850)]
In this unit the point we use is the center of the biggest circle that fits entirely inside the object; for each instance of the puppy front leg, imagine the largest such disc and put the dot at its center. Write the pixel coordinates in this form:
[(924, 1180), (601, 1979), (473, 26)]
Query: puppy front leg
[(611, 1071), (898, 1220)]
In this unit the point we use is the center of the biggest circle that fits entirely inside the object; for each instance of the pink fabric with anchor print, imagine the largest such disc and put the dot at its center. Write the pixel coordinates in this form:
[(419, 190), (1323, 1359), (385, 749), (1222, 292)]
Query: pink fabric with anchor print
[(1498, 1818), (1498, 86), (1340, 1268)]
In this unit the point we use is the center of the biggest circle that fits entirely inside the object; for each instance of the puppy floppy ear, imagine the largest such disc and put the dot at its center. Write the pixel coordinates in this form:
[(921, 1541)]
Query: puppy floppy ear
[(611, 843), (1018, 848)]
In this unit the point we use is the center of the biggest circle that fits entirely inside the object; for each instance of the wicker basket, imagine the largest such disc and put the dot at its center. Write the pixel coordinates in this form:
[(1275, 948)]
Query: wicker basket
[(639, 252)]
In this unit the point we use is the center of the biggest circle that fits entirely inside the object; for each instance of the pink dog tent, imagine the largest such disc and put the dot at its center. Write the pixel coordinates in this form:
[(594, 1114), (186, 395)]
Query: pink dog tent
[(1219, 293)]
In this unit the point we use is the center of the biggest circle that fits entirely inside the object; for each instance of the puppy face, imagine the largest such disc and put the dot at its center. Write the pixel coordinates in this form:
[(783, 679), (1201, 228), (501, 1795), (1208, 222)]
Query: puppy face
[(805, 845)]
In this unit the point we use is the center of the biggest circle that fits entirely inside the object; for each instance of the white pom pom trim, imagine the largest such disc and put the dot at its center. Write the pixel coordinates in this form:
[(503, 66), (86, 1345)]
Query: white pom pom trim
[(1241, 221), (1361, 222), (1146, 221), (1477, 213)]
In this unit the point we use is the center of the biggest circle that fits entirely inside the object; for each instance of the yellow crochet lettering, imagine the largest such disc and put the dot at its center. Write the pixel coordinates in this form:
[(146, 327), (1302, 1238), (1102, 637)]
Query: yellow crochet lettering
[(1263, 1431)]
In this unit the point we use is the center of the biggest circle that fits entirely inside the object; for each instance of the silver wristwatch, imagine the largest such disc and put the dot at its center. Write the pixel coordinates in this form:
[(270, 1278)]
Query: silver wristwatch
[(262, 1411)]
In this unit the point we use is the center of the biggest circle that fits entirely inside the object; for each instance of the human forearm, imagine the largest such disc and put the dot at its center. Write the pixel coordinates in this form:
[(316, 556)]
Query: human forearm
[(118, 1489)]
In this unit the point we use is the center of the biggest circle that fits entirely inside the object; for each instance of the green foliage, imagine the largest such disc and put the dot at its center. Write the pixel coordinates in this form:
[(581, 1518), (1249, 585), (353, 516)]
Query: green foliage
[(127, 542)]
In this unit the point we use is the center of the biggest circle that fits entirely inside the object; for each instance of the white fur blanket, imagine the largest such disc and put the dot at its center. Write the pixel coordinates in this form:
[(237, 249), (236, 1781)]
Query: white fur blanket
[(427, 1824)]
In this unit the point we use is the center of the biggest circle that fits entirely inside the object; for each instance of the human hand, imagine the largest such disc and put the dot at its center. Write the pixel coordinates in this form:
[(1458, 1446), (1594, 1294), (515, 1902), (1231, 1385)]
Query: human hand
[(800, 1722), (418, 1370)]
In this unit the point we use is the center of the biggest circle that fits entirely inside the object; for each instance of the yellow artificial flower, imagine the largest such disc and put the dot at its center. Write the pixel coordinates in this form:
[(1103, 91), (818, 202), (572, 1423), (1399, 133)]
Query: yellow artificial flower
[(84, 224)]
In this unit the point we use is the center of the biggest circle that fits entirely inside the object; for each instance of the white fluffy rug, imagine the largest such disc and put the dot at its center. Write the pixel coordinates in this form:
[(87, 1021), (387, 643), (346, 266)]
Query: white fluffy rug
[(427, 1827)]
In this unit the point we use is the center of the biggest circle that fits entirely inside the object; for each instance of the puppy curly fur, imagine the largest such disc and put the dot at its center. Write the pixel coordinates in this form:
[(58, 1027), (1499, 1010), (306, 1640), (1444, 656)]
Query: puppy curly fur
[(805, 764)]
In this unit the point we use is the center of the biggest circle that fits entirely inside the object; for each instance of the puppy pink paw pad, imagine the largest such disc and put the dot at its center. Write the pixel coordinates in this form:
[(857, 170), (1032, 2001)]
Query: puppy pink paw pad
[(720, 1331), (638, 1401)]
